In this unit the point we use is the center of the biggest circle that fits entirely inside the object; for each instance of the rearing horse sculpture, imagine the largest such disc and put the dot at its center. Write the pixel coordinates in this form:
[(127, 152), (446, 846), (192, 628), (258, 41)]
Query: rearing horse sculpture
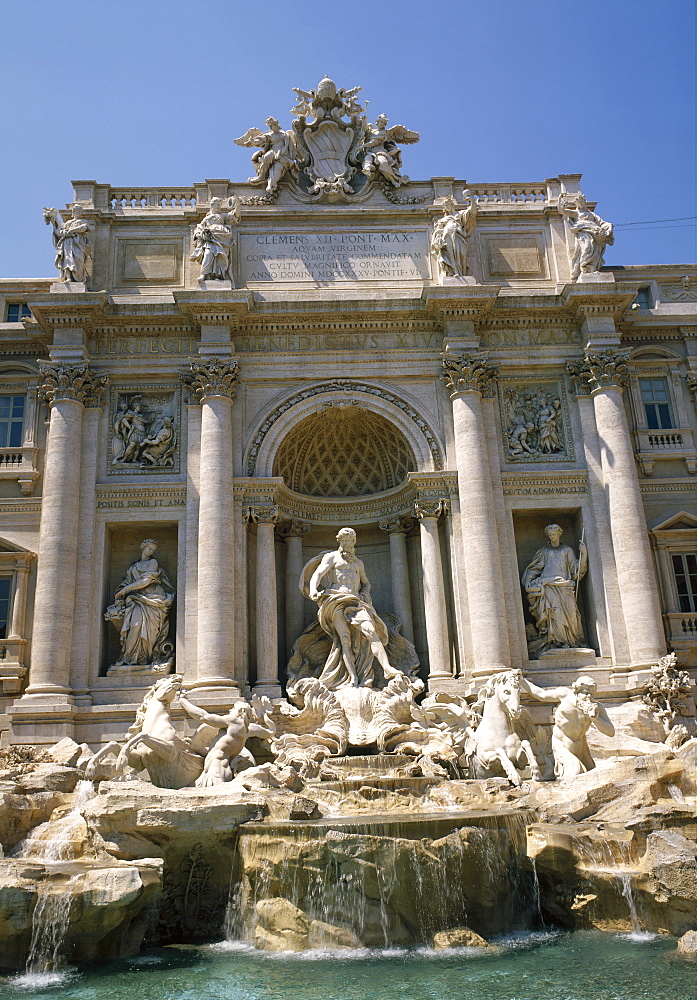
[(494, 746)]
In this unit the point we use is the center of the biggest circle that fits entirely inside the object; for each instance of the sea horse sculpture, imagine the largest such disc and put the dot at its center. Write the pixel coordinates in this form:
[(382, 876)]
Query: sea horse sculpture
[(495, 746), (152, 743)]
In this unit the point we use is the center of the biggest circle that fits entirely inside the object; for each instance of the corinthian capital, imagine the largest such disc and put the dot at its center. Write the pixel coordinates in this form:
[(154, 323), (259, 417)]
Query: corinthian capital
[(468, 373), (212, 378), (603, 370), (65, 381)]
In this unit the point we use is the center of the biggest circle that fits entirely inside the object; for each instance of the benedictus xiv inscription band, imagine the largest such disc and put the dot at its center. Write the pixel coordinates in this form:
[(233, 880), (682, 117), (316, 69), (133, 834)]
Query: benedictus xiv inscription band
[(400, 255)]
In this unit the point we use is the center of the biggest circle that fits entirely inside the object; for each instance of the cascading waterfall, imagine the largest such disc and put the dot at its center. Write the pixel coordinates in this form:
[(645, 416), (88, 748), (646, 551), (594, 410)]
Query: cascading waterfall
[(52, 843), (389, 880)]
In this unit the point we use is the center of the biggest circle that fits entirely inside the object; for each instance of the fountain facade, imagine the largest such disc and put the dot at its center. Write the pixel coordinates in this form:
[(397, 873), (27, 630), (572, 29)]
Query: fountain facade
[(352, 550)]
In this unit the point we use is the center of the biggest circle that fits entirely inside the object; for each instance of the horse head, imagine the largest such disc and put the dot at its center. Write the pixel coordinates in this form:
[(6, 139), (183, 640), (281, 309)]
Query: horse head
[(505, 687)]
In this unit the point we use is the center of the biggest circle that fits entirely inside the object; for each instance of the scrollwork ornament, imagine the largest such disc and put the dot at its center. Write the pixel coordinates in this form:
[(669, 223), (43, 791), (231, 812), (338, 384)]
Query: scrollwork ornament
[(293, 528), (603, 370), (692, 385), (431, 508), (468, 373), (401, 524), (212, 378), (261, 514), (73, 382)]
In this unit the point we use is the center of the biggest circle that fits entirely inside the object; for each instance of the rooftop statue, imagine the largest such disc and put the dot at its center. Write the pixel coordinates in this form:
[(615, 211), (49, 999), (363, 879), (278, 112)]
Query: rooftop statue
[(274, 157), (213, 240), (332, 148), (591, 235), (450, 235), (73, 242), (382, 156)]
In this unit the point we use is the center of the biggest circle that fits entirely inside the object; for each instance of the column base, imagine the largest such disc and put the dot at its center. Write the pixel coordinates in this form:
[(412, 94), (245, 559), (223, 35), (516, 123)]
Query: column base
[(215, 690), (270, 689), (42, 718)]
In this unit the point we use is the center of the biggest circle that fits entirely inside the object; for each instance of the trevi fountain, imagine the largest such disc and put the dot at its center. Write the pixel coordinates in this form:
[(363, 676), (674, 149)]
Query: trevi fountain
[(348, 573)]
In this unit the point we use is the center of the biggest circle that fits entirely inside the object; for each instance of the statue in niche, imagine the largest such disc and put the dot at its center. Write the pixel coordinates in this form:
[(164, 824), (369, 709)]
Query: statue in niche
[(533, 423), (576, 713), (72, 240), (339, 586), (551, 584), (213, 240), (141, 438), (275, 156), (140, 612), (450, 235), (591, 235), (382, 156)]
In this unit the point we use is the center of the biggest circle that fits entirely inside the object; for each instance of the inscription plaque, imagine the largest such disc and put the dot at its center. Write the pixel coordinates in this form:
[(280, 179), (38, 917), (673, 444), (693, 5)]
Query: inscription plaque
[(399, 255), (141, 262), (513, 256)]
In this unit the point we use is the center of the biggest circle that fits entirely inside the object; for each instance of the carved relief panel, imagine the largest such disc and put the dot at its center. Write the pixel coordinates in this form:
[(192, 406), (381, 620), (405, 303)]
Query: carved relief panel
[(144, 430), (535, 421)]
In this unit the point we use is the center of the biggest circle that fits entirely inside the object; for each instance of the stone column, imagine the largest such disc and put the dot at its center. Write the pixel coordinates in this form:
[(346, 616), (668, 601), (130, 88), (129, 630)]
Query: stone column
[(212, 383), (606, 373), (293, 532), (468, 376), (265, 517), (19, 602), (396, 528), (428, 512), (88, 619), (67, 388)]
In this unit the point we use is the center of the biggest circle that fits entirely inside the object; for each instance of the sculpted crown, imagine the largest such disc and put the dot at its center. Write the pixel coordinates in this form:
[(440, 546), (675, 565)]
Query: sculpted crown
[(601, 370), (212, 378), (468, 373), (75, 382)]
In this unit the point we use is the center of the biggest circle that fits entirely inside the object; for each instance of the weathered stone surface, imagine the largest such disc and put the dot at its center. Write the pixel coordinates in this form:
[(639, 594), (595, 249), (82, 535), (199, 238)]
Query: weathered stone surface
[(281, 926), (637, 732), (304, 808), (69, 753), (687, 944), (49, 777), (108, 912), (458, 937), (21, 813)]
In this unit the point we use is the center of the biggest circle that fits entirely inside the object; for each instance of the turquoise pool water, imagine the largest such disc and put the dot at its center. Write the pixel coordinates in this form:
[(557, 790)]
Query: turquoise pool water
[(581, 966)]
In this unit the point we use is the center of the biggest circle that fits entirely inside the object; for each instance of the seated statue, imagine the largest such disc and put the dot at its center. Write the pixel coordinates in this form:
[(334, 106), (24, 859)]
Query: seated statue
[(339, 586)]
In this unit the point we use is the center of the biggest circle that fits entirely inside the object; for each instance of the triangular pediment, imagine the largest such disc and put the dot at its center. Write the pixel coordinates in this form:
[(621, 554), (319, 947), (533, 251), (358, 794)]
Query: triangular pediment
[(678, 522)]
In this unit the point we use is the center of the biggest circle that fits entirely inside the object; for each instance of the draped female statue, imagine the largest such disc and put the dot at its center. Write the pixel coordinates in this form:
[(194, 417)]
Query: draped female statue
[(140, 612)]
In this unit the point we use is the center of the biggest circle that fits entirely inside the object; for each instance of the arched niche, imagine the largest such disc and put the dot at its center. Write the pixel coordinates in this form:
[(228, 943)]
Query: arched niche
[(284, 415)]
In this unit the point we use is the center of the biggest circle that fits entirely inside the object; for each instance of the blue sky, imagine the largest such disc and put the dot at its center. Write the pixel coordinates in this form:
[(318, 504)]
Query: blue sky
[(154, 92)]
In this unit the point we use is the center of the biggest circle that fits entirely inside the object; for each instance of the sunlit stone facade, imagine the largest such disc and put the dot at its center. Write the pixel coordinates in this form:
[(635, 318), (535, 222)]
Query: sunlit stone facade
[(336, 374)]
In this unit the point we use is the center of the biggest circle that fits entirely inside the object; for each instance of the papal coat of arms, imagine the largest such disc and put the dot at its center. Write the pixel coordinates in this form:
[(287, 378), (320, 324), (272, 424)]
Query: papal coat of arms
[(332, 148)]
